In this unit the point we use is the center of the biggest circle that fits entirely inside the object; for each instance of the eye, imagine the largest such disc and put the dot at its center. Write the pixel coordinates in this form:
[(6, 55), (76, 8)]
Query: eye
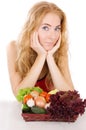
[(58, 28), (46, 28)]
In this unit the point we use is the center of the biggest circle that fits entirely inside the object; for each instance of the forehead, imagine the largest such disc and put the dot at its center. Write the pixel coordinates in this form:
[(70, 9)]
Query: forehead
[(52, 19)]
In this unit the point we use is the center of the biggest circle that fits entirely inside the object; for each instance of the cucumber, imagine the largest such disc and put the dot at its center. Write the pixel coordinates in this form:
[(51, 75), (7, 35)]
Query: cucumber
[(38, 110), (25, 108)]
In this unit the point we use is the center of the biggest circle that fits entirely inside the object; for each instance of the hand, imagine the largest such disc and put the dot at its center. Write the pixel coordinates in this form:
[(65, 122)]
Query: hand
[(36, 46), (56, 47)]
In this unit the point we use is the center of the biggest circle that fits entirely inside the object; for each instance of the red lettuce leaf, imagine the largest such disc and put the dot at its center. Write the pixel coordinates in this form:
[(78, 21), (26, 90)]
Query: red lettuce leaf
[(66, 105)]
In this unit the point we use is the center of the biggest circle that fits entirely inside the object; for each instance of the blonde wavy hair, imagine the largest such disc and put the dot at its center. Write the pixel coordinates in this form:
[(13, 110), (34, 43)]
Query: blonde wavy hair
[(26, 56)]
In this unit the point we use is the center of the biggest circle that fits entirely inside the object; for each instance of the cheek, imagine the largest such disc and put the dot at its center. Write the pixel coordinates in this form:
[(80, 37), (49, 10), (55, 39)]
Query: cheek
[(41, 37)]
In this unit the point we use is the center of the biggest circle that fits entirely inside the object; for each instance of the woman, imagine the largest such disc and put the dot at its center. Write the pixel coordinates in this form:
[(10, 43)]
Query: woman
[(39, 56)]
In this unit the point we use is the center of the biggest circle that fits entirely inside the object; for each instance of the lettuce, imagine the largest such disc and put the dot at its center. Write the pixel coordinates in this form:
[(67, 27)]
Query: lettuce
[(66, 105), (25, 91)]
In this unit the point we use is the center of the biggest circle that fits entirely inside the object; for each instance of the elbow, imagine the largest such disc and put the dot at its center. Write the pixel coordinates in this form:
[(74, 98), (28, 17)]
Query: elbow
[(15, 90), (69, 87), (66, 87)]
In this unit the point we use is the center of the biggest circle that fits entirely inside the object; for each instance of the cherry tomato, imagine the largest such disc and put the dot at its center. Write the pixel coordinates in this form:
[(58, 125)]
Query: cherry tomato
[(26, 98), (43, 94), (47, 97)]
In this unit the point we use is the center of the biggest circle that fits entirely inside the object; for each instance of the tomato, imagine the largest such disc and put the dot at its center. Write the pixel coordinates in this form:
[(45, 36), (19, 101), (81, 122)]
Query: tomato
[(26, 98), (47, 97), (43, 94)]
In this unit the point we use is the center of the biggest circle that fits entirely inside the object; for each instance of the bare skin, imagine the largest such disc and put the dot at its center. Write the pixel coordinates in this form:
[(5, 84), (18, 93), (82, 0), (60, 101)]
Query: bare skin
[(45, 46)]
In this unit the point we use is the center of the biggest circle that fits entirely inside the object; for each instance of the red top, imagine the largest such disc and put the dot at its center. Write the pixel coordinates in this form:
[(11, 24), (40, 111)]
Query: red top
[(41, 84)]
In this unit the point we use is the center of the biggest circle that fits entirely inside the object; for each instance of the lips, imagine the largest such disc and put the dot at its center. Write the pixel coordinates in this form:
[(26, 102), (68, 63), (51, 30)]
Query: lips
[(48, 43)]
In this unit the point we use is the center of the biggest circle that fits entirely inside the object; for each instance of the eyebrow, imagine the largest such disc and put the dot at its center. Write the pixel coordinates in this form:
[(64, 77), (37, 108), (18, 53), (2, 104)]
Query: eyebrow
[(50, 25)]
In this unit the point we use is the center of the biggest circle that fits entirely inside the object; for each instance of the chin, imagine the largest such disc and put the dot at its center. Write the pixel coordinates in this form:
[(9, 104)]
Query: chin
[(48, 49)]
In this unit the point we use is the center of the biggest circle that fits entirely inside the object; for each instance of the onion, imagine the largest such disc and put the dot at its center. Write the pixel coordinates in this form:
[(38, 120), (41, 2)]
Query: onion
[(40, 101)]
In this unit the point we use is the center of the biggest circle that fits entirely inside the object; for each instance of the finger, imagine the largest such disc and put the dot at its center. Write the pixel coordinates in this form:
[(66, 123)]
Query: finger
[(58, 42), (31, 39), (56, 46), (36, 38), (32, 43)]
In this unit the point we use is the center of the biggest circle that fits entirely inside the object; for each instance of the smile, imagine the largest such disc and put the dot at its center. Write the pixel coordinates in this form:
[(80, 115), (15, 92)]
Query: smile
[(49, 42)]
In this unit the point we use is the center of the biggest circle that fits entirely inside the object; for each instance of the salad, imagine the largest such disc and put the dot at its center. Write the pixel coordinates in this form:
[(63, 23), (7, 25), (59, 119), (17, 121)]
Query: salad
[(34, 100), (64, 105)]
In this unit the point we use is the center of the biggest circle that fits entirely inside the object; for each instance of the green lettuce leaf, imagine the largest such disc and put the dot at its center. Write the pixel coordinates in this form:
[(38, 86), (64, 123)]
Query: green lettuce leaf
[(25, 91)]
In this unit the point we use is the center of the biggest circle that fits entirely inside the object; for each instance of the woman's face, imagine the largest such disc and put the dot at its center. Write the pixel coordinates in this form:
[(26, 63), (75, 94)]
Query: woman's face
[(49, 31)]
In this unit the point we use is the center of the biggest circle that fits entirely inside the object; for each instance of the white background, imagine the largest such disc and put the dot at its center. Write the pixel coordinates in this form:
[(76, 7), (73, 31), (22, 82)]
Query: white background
[(12, 16)]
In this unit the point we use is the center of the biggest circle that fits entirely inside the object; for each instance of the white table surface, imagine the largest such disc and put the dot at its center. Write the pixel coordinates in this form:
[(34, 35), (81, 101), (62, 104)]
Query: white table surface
[(11, 119)]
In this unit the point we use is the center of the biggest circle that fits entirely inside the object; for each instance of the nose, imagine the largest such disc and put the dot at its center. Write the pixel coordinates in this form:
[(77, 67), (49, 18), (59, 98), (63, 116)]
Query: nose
[(52, 34)]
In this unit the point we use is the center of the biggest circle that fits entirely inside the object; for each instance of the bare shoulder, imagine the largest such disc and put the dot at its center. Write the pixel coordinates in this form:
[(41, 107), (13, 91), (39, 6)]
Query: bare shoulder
[(11, 55), (12, 49)]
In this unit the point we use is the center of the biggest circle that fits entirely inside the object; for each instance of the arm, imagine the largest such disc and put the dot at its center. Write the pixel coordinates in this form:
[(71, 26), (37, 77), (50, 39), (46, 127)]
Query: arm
[(59, 81), (16, 81)]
